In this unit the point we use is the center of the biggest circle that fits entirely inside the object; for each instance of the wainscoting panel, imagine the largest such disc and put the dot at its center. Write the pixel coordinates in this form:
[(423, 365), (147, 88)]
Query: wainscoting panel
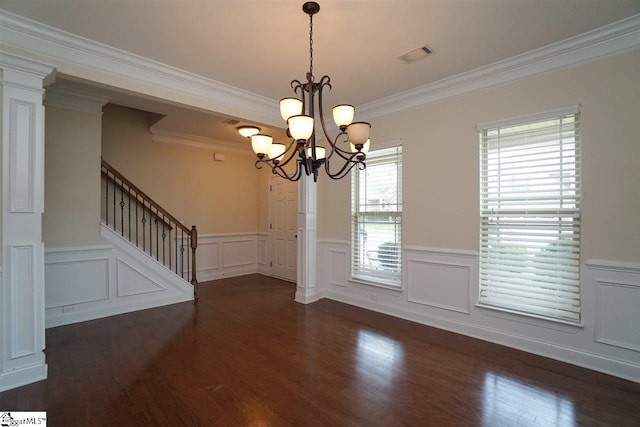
[(263, 253), (22, 291), (617, 289), (91, 282), (338, 266), (440, 289), (438, 284), (615, 302), (236, 253), (228, 255), (87, 266), (132, 281)]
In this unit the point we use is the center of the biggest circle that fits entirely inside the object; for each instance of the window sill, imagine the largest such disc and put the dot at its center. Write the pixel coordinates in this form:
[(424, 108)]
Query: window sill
[(389, 286), (532, 319)]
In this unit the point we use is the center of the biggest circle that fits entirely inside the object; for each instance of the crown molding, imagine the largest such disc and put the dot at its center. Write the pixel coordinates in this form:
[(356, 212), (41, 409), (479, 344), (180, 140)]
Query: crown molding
[(611, 39), (26, 72), (57, 45), (195, 141), (73, 99), (60, 46)]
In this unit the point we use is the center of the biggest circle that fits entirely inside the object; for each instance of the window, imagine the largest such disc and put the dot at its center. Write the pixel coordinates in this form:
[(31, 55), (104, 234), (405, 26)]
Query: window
[(376, 212), (530, 215)]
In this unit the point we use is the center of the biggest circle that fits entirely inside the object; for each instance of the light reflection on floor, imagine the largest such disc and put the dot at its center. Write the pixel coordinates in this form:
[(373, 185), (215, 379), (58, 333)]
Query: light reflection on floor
[(378, 359), (509, 402)]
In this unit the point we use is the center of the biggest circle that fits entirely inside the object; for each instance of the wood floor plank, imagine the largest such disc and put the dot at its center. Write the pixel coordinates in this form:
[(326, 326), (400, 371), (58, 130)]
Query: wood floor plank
[(247, 355)]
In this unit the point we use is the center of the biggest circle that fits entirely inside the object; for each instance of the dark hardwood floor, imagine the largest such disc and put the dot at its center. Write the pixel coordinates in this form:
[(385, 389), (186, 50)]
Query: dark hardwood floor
[(247, 355)]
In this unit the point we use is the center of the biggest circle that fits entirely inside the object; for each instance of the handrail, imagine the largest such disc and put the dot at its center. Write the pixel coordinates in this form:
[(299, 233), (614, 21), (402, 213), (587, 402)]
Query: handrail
[(151, 202), (140, 198), (141, 202)]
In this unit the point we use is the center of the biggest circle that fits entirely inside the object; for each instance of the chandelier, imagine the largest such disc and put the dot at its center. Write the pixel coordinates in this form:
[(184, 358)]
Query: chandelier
[(299, 114)]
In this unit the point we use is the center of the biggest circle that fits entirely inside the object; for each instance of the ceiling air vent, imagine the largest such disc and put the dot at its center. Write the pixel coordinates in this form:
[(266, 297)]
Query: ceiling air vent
[(231, 122), (415, 54)]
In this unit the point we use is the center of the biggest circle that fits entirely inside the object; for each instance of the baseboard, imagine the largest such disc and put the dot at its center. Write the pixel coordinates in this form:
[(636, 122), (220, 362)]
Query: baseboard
[(23, 376)]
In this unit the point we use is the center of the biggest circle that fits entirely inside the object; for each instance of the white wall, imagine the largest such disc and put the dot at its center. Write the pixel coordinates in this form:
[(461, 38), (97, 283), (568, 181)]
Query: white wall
[(441, 224)]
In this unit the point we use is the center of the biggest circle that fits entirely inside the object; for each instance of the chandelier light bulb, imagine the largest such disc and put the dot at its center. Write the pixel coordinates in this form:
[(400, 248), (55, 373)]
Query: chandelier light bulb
[(320, 153), (261, 143), (343, 114), (358, 132), (300, 127), (290, 107), (276, 151)]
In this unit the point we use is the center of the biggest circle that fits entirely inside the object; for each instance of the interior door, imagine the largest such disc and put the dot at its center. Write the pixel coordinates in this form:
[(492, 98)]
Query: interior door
[(283, 228)]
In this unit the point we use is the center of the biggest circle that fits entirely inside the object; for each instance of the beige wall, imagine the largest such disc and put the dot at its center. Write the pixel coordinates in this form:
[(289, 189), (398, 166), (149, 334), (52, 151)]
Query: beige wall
[(440, 144), (72, 179), (217, 197), (264, 175)]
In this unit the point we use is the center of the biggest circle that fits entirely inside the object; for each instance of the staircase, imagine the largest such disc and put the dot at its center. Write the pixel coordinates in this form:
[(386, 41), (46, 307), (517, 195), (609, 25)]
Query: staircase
[(129, 213)]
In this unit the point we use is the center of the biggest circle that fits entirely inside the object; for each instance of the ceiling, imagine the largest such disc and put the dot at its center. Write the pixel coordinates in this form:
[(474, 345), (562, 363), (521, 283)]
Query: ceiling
[(261, 45)]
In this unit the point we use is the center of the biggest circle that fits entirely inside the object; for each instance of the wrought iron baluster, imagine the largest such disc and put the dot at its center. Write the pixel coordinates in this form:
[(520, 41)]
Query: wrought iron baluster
[(136, 218), (122, 208), (176, 251), (144, 222), (169, 245), (182, 254), (150, 230), (106, 199), (157, 246), (129, 221), (115, 190), (164, 234)]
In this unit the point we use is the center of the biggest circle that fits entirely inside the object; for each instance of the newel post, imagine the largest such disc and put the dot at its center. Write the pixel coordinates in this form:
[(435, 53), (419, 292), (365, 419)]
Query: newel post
[(194, 245)]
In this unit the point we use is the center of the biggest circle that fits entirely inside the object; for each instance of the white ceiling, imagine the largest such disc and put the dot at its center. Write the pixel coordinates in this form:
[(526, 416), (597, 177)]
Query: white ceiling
[(261, 45)]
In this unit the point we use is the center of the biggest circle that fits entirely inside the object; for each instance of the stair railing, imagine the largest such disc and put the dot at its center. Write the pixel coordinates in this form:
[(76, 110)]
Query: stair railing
[(142, 221)]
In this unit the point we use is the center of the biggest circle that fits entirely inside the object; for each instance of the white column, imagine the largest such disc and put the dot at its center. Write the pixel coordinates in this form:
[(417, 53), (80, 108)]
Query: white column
[(22, 358), (306, 290)]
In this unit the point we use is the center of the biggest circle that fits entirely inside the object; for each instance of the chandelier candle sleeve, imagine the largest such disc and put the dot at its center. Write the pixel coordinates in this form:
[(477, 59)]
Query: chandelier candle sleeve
[(304, 116)]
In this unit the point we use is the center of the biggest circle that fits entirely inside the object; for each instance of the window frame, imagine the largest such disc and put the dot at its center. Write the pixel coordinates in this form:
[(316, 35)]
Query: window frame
[(571, 216), (392, 281)]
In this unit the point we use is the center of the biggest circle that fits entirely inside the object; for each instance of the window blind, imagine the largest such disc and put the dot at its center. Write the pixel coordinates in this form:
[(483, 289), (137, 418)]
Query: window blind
[(376, 227), (530, 217)]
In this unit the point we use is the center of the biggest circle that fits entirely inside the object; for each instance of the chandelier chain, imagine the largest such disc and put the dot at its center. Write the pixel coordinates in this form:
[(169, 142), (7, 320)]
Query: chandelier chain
[(311, 45)]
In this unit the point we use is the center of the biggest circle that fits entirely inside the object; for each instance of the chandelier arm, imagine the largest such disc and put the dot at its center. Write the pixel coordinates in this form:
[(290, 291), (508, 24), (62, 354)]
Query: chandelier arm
[(292, 154), (324, 81), (346, 155), (297, 85), (278, 170), (349, 163), (344, 171)]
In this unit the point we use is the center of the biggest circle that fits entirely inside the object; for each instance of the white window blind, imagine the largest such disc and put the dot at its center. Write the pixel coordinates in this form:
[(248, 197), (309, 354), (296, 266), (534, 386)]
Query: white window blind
[(376, 211), (530, 216)]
